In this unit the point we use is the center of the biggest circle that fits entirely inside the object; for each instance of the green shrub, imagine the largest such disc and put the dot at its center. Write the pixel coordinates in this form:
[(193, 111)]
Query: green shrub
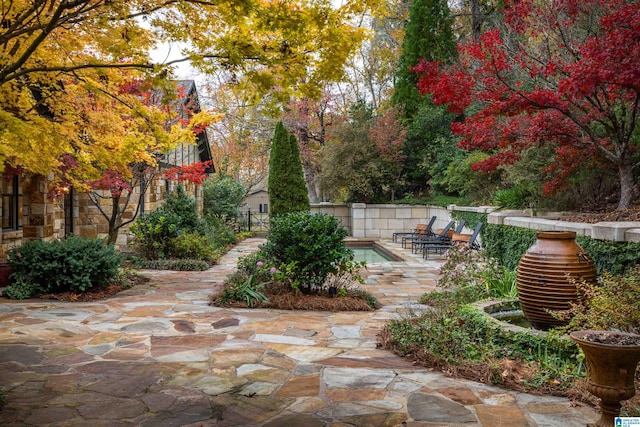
[(193, 246), (313, 242), (175, 231), (242, 288), (155, 232), (222, 197), (507, 244), (462, 335), (174, 264), (470, 275), (21, 290), (220, 231), (74, 264), (613, 257), (509, 198), (371, 300), (518, 197), (609, 304), (471, 218), (257, 264), (184, 208)]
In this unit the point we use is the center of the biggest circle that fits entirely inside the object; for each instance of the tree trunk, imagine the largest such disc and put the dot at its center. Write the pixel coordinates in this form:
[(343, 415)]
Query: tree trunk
[(113, 226), (310, 178), (627, 190), (476, 20)]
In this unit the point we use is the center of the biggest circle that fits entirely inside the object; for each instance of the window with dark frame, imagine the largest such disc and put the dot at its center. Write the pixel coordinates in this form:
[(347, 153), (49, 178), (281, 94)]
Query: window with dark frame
[(142, 197), (11, 204), (264, 208), (68, 212)]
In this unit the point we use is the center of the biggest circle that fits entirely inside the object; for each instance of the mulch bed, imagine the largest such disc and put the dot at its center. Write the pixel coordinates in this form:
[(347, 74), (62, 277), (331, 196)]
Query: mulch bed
[(299, 301), (93, 294), (607, 214), (612, 338)]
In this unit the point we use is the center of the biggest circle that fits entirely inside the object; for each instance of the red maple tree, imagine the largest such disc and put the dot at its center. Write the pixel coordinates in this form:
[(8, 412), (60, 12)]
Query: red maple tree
[(562, 72), (112, 193), (117, 190)]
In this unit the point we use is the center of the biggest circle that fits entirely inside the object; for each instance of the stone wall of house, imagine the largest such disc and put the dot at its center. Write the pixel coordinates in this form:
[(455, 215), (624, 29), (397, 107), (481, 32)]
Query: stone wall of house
[(45, 218), (38, 215), (93, 224)]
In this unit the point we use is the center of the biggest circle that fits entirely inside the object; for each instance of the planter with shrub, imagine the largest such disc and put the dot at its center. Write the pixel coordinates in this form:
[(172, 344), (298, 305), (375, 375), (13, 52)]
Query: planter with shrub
[(303, 258)]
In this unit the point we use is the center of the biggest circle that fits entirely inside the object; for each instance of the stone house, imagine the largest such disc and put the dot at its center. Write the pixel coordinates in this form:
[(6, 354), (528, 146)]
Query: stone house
[(28, 213)]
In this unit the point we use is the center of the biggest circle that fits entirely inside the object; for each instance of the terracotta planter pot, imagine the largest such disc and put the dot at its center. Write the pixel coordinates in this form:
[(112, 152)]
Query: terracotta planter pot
[(544, 273), (611, 371)]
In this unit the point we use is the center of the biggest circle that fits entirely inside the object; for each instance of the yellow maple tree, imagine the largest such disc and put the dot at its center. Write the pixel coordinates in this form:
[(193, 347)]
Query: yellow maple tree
[(63, 64)]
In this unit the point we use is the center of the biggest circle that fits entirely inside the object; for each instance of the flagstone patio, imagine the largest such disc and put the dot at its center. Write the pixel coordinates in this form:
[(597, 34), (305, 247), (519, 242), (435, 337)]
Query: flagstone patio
[(159, 355)]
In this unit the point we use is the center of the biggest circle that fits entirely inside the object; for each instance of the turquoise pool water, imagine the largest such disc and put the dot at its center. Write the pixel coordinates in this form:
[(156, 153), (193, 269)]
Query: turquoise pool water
[(369, 254)]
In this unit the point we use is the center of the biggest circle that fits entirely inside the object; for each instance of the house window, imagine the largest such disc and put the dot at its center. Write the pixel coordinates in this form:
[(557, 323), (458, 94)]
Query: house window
[(264, 208), (68, 212), (11, 204), (142, 197)]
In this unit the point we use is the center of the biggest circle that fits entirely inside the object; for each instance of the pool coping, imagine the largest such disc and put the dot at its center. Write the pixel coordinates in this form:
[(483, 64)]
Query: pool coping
[(377, 245)]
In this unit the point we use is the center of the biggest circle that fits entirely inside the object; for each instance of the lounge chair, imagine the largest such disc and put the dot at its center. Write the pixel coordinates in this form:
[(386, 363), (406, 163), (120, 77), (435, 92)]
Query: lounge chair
[(441, 236), (422, 230), (460, 240)]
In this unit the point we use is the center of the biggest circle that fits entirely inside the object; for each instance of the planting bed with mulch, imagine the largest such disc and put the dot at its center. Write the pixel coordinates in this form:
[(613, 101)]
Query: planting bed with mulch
[(93, 294), (300, 301)]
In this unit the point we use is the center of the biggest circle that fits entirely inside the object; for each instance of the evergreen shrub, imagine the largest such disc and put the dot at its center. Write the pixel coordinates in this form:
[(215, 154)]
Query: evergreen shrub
[(314, 243), (174, 231), (193, 246), (287, 188), (155, 232), (75, 264)]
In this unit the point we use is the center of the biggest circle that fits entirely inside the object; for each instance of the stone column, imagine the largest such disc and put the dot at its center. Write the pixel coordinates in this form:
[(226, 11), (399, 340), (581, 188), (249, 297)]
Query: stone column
[(38, 212), (358, 220)]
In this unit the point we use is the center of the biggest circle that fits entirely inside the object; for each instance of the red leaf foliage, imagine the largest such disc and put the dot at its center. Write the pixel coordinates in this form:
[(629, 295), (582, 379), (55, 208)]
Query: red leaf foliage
[(194, 173), (564, 73), (112, 181)]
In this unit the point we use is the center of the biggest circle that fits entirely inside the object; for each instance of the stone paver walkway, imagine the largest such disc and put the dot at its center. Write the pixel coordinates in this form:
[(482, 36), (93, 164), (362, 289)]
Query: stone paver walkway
[(159, 355)]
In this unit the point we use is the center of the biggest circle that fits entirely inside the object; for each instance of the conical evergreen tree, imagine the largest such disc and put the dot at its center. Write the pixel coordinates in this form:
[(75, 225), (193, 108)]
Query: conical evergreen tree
[(287, 188), (428, 35)]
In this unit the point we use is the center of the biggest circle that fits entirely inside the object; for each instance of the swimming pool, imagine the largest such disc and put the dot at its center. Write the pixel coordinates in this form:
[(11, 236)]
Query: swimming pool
[(370, 251)]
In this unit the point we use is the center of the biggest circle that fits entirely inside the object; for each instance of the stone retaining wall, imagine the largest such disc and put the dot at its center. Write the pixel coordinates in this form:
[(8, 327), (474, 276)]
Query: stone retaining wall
[(620, 231), (380, 221)]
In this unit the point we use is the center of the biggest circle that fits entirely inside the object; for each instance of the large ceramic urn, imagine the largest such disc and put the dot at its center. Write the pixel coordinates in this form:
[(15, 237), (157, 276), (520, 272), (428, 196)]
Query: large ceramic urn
[(546, 276), (612, 359)]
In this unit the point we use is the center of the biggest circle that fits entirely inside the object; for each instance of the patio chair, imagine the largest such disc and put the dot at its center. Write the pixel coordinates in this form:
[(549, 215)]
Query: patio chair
[(458, 239), (448, 236), (398, 234), (422, 230), (441, 236)]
